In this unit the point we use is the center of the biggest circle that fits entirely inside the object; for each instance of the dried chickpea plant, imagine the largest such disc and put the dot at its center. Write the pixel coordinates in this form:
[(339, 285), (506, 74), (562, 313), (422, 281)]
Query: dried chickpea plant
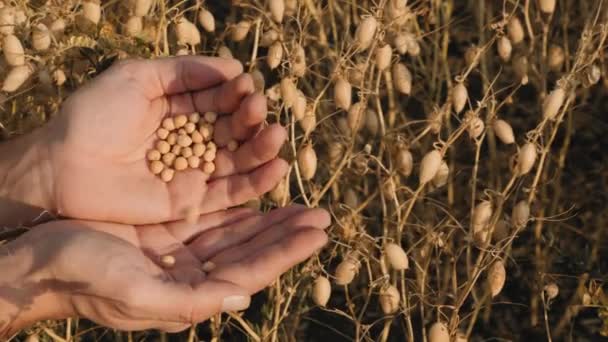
[(459, 146)]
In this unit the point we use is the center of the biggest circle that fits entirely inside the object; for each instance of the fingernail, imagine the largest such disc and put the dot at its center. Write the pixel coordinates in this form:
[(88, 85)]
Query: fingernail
[(235, 303)]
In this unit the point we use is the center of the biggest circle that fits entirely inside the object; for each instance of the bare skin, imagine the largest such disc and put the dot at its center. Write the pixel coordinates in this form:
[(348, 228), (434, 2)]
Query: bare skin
[(112, 274), (89, 164), (89, 161)]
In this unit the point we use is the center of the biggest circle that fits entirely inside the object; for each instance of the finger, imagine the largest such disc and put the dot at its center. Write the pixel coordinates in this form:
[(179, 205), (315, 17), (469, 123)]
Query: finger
[(185, 231), (237, 189), (244, 122), (260, 269), (216, 240), (310, 218), (179, 302), (252, 154), (175, 75), (224, 98)]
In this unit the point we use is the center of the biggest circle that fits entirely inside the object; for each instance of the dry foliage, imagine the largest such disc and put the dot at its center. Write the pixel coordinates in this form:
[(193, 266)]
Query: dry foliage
[(458, 145)]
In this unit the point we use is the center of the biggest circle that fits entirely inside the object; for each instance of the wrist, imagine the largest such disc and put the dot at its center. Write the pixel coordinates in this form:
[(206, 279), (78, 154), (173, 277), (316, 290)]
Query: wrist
[(26, 182), (28, 291)]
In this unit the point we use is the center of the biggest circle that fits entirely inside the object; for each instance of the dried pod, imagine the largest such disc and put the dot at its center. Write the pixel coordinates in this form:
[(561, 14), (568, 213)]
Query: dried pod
[(526, 158), (547, 6), (275, 54), (496, 277), (240, 30), (91, 11), (501, 231), (224, 52), (280, 193), (355, 116), (402, 78), (13, 51), (553, 102), (309, 121), (258, 80), (289, 92), (441, 178), (404, 162), (439, 333), (504, 132), (396, 257), (41, 38), (20, 17), (346, 271), (365, 32), (520, 214), (299, 107), (206, 20), (460, 96), (7, 21), (413, 47), (343, 93), (16, 77), (58, 28), (141, 7), (291, 7), (556, 58), (356, 73), (307, 162), (591, 76), (520, 68), (383, 57), (400, 42), (187, 33), (351, 199), (371, 122), (298, 61), (134, 26), (481, 216), (551, 290), (475, 127), (269, 37), (277, 10), (504, 48), (389, 300), (515, 30), (321, 291), (429, 166)]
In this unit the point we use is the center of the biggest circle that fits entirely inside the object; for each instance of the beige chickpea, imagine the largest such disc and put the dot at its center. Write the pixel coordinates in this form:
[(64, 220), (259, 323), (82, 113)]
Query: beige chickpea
[(184, 141), (233, 145), (168, 158), (168, 124), (197, 137), (198, 149), (176, 149), (189, 127), (194, 162), (172, 138), (180, 120), (194, 118), (156, 167), (162, 133), (180, 164), (209, 155), (153, 155), (186, 152), (208, 168), (163, 146), (167, 175)]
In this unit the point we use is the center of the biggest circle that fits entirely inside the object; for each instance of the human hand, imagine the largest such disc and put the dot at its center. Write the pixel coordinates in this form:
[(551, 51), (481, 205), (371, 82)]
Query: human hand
[(98, 142), (112, 274)]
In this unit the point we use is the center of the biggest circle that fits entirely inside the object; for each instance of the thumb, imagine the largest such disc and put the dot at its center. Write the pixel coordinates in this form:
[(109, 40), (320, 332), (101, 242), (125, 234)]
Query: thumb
[(167, 300)]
